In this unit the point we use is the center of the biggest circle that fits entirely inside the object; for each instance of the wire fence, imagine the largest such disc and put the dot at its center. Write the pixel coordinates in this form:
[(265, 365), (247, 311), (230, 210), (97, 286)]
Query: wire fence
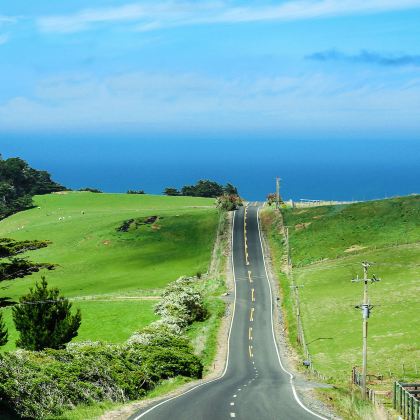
[(406, 400)]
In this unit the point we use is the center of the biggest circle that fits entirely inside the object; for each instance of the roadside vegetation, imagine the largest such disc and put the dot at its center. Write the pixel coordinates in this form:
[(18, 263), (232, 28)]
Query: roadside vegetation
[(115, 258), (42, 384), (327, 247)]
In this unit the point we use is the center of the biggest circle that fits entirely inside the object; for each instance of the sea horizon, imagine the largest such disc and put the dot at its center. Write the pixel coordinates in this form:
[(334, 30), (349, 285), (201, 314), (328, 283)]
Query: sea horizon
[(344, 170)]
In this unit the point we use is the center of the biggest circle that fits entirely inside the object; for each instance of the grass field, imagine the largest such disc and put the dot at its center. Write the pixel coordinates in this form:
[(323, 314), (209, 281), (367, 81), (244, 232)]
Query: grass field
[(101, 265), (328, 245)]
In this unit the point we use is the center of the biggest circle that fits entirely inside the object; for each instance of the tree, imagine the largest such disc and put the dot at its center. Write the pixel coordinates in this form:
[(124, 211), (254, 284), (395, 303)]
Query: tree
[(19, 182), (171, 191), (228, 202), (271, 198), (4, 335), (135, 192), (229, 189), (203, 188), (44, 320), (92, 190)]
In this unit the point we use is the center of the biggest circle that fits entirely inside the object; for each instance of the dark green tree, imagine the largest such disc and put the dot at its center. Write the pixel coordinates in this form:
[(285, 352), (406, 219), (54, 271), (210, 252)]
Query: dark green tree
[(4, 335), (203, 188), (229, 189), (19, 182), (44, 320), (171, 191)]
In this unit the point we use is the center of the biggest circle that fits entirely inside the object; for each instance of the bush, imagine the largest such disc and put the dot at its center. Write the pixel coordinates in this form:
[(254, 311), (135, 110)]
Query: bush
[(228, 202), (4, 335), (135, 192), (43, 384), (182, 303)]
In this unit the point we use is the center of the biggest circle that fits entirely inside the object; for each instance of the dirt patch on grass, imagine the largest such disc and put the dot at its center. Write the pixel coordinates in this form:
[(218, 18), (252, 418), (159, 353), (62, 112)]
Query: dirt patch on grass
[(355, 248), (301, 226)]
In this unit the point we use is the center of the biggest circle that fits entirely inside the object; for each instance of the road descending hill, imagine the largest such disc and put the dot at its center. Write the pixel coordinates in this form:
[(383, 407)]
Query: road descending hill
[(113, 253), (254, 384), (327, 246)]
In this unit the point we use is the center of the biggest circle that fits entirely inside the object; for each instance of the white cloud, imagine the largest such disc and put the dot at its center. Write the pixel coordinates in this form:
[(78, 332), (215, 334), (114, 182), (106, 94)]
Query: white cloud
[(154, 15), (4, 38), (181, 101)]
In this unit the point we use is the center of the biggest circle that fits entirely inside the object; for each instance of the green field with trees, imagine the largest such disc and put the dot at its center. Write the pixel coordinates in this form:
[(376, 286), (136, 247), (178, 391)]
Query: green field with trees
[(327, 245), (107, 248)]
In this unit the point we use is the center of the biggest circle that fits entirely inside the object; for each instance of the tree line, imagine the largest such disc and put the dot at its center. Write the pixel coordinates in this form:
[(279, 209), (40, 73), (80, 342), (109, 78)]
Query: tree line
[(203, 188), (19, 183)]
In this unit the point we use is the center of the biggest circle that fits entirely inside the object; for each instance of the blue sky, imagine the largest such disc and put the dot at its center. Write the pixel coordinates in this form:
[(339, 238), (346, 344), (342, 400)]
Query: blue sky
[(312, 68)]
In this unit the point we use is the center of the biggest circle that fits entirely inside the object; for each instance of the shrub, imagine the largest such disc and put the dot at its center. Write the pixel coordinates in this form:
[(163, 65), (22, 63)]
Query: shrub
[(182, 303), (228, 202), (4, 335), (43, 384), (43, 319)]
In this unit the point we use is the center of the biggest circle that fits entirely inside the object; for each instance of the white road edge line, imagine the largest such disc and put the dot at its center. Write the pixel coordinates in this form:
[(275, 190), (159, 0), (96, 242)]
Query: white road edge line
[(228, 347), (274, 336)]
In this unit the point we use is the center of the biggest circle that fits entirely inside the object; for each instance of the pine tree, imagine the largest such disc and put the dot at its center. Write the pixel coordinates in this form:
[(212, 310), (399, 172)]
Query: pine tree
[(4, 335), (44, 319)]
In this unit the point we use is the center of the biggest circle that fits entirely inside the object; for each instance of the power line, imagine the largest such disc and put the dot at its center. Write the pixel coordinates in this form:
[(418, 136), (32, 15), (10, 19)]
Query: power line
[(366, 308)]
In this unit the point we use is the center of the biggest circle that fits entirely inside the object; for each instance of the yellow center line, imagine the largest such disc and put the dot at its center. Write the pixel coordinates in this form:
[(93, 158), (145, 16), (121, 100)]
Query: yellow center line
[(249, 276), (250, 351), (250, 333), (245, 240), (253, 294), (251, 318)]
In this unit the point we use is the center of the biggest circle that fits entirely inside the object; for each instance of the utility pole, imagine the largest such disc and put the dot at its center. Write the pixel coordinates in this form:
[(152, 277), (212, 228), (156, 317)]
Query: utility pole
[(277, 193), (366, 308)]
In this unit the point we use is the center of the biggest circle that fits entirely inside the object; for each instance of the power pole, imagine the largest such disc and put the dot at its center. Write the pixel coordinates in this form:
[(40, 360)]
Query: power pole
[(277, 192), (366, 308)]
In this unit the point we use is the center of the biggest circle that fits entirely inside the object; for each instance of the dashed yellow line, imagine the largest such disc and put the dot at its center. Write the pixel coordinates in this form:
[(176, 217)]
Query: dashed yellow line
[(251, 355), (251, 317), (249, 277), (250, 333), (253, 294), (245, 240)]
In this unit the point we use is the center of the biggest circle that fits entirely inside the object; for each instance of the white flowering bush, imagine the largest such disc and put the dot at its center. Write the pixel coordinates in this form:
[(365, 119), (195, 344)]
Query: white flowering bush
[(183, 302), (154, 332), (42, 384), (39, 385)]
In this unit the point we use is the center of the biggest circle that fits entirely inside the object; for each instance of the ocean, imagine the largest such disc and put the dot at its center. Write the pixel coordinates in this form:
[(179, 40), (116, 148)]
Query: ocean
[(309, 169)]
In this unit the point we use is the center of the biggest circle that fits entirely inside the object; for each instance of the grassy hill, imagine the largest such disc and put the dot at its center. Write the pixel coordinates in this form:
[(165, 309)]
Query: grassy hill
[(112, 275), (328, 245)]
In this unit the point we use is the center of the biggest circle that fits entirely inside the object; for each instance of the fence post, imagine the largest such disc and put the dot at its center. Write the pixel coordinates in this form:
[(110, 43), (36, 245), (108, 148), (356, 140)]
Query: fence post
[(401, 399), (412, 407), (395, 396)]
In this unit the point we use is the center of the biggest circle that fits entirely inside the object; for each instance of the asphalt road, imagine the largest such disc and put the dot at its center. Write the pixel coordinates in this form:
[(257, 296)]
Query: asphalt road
[(254, 384)]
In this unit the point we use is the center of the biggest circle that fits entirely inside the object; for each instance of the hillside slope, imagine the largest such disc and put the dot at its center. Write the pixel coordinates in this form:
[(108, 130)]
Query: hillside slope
[(328, 245), (114, 253)]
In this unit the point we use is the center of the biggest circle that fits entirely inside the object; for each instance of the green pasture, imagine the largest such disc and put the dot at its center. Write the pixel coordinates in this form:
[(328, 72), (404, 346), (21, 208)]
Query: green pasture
[(327, 246), (323, 232), (328, 298), (93, 259)]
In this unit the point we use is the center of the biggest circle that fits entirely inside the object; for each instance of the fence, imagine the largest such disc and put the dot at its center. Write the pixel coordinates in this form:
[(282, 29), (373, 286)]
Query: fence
[(406, 400), (375, 396)]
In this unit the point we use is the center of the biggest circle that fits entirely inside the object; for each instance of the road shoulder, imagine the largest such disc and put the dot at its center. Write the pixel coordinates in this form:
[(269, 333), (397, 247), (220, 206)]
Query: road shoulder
[(305, 387), (219, 363)]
